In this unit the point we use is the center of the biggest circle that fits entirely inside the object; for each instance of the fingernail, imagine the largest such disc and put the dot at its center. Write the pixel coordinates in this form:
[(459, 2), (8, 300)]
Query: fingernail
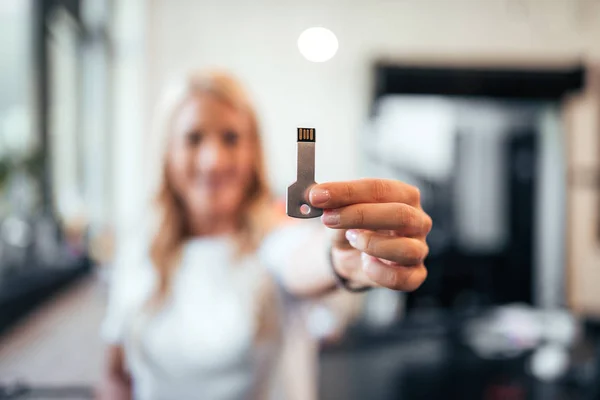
[(351, 236), (331, 218), (319, 196)]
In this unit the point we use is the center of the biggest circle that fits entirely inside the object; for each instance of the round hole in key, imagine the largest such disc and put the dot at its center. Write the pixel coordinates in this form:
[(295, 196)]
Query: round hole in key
[(305, 209)]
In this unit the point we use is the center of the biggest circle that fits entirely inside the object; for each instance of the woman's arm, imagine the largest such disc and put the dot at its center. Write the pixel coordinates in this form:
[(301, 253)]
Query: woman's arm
[(116, 382)]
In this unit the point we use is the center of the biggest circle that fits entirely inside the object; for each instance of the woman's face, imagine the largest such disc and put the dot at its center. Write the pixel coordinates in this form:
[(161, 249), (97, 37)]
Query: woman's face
[(211, 157)]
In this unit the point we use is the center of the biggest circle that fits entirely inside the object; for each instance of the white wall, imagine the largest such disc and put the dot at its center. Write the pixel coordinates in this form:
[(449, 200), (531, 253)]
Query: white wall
[(128, 127), (257, 41), (17, 113), (15, 53)]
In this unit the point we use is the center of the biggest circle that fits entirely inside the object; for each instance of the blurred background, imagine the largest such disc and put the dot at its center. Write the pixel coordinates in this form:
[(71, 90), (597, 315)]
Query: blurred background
[(492, 108)]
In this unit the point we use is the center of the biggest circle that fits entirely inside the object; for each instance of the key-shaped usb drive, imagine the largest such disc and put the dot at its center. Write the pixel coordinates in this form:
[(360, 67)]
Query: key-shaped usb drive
[(297, 193)]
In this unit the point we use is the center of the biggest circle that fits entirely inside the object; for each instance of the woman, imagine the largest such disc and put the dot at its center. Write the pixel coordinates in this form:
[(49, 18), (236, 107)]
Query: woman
[(200, 310)]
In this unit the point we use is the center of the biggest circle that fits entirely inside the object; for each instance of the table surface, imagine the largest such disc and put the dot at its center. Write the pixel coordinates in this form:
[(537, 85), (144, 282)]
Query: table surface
[(431, 364)]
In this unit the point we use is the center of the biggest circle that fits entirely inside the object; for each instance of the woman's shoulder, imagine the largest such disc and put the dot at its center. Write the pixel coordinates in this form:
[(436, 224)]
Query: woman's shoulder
[(286, 236), (134, 240), (132, 259), (130, 280)]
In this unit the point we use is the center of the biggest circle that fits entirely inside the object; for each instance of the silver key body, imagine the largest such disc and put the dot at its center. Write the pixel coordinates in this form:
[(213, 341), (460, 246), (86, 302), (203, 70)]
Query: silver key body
[(297, 194)]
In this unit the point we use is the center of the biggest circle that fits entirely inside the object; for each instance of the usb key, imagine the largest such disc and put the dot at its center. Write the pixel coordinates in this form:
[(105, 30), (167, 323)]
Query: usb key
[(297, 193)]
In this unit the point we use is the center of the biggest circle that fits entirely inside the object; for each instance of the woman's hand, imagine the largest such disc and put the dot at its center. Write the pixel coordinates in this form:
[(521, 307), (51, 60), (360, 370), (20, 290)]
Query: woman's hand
[(380, 231)]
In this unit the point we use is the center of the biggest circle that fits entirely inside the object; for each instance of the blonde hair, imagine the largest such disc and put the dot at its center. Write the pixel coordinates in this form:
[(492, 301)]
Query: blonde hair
[(170, 229)]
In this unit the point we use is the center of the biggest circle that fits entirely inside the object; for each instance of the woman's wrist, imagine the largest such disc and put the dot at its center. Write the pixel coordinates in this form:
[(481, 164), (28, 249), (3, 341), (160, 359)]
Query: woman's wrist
[(343, 282)]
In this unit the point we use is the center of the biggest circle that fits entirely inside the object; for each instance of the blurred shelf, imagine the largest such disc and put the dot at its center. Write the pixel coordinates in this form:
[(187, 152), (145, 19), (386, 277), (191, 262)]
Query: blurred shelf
[(23, 291)]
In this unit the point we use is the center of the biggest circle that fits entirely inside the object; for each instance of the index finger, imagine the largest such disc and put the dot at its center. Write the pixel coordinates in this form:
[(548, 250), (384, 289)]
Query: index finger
[(340, 194)]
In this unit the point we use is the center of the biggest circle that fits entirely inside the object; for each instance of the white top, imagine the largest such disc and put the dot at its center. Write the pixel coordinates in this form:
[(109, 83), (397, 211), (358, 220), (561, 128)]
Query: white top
[(200, 345)]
